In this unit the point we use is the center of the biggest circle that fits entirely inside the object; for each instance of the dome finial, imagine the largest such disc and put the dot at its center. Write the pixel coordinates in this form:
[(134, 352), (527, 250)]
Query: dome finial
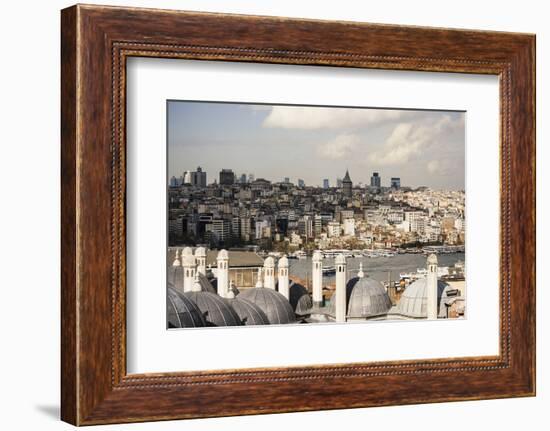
[(360, 274)]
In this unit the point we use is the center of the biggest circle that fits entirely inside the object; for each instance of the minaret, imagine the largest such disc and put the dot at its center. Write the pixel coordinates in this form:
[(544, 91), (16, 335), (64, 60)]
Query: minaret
[(189, 268), (431, 287), (269, 273), (200, 256), (177, 261), (340, 289), (176, 273), (222, 273), (317, 278), (259, 279), (283, 277)]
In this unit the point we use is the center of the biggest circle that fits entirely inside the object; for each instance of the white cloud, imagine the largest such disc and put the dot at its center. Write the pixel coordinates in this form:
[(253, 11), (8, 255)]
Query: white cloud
[(310, 118), (410, 141), (340, 147)]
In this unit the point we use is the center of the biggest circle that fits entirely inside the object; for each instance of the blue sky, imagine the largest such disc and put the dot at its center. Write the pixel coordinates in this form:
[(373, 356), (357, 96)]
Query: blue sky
[(312, 143)]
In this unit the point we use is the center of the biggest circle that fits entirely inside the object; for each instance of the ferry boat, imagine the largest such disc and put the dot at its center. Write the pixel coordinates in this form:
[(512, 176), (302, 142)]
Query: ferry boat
[(300, 254), (329, 270)]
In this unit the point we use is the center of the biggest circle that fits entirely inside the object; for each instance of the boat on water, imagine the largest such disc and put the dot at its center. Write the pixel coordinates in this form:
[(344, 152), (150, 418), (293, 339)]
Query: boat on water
[(300, 254), (329, 270)]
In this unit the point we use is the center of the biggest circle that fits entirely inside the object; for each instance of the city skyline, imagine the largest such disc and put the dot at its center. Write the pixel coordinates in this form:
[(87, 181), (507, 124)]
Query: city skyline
[(213, 178), (423, 148)]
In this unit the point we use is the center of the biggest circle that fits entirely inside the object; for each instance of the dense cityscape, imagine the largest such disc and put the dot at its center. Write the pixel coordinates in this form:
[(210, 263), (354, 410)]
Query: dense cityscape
[(257, 214)]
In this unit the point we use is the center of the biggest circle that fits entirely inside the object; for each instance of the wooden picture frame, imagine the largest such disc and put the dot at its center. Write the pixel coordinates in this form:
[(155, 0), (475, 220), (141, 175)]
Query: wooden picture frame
[(95, 43)]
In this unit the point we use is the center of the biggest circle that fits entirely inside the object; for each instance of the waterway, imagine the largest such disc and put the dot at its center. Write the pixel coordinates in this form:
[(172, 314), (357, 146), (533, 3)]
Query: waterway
[(375, 267)]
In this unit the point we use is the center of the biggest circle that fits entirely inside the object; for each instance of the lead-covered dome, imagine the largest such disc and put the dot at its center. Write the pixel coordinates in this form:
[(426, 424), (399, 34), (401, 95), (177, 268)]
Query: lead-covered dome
[(300, 299), (368, 298), (182, 312), (249, 313), (216, 310), (272, 303), (365, 298), (414, 301)]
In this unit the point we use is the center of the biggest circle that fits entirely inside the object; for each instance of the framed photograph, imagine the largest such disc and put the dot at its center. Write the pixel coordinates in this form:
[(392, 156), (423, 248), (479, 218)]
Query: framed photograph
[(265, 215)]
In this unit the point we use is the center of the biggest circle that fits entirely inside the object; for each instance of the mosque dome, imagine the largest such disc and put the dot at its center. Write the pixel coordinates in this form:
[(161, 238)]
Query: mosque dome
[(223, 254), (300, 299), (182, 312), (414, 302), (283, 262), (269, 262), (249, 313), (216, 310), (365, 298), (368, 298), (200, 252), (276, 307)]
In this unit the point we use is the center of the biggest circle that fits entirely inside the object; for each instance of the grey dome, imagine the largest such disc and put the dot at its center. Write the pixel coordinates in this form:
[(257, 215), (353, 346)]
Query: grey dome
[(215, 309), (365, 297), (300, 299), (182, 312), (413, 302), (273, 304), (249, 313), (368, 298)]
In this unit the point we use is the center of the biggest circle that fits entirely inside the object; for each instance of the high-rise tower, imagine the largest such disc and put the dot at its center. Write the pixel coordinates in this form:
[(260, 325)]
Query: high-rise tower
[(347, 185)]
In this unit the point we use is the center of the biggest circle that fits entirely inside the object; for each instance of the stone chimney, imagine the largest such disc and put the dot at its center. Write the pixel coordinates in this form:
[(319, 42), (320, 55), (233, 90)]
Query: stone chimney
[(269, 273), (189, 269), (431, 287), (317, 278), (222, 273), (259, 279), (283, 277), (341, 306), (200, 256)]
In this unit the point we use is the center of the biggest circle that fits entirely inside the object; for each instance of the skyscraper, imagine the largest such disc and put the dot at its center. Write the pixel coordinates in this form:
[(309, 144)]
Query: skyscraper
[(227, 177), (375, 180), (347, 185), (395, 183), (325, 183), (198, 178), (187, 177), (301, 183)]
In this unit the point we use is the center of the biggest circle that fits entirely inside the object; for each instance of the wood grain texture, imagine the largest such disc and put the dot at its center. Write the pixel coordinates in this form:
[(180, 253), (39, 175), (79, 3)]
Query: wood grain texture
[(96, 41)]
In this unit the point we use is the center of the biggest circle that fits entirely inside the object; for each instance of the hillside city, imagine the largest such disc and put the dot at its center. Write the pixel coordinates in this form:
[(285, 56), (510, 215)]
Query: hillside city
[(241, 211)]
